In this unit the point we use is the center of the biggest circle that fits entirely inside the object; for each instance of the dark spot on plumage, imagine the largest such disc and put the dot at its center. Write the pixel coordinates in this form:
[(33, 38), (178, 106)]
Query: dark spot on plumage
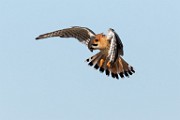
[(113, 75), (61, 35), (101, 69), (130, 72), (96, 66), (94, 44), (64, 34), (116, 76), (90, 64), (107, 72), (126, 73), (121, 75), (87, 60)]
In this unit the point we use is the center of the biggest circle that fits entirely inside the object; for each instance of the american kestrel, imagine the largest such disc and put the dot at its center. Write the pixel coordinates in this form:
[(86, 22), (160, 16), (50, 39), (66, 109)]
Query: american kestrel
[(109, 59)]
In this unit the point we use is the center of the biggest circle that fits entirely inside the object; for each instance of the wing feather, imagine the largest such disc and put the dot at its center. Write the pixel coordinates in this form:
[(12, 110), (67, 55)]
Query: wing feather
[(116, 46), (83, 34)]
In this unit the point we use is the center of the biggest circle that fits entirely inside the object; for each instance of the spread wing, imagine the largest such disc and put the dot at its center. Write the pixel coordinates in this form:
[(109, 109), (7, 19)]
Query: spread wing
[(83, 34), (116, 46)]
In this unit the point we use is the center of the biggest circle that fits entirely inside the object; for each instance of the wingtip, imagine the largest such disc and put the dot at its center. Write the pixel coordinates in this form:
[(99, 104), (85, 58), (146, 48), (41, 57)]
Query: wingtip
[(37, 38)]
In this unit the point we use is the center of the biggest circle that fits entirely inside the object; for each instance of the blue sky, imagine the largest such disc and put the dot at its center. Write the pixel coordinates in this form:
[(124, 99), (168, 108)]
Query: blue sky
[(49, 80)]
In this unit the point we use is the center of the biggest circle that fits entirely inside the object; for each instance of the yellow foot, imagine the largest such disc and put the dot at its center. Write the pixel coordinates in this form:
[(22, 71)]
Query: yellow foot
[(101, 62), (109, 64)]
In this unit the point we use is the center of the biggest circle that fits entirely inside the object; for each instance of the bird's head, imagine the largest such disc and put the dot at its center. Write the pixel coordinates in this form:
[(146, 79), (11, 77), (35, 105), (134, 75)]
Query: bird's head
[(98, 42)]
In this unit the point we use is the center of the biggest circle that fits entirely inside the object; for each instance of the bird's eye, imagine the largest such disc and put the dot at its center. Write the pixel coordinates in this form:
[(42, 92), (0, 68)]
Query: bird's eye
[(96, 40)]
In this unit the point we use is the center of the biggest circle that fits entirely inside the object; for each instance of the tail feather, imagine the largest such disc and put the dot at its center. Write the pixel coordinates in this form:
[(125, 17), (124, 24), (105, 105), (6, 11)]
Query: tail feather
[(94, 60), (114, 70), (120, 68), (125, 69)]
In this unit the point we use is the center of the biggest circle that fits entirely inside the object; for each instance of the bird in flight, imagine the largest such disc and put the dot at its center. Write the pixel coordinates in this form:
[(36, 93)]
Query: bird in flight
[(109, 60)]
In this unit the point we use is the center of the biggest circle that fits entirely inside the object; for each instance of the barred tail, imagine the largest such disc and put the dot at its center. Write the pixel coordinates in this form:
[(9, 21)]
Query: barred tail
[(119, 68), (47, 35)]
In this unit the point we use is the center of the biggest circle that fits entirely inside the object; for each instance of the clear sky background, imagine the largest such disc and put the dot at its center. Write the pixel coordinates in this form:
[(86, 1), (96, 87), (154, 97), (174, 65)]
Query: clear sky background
[(49, 80)]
